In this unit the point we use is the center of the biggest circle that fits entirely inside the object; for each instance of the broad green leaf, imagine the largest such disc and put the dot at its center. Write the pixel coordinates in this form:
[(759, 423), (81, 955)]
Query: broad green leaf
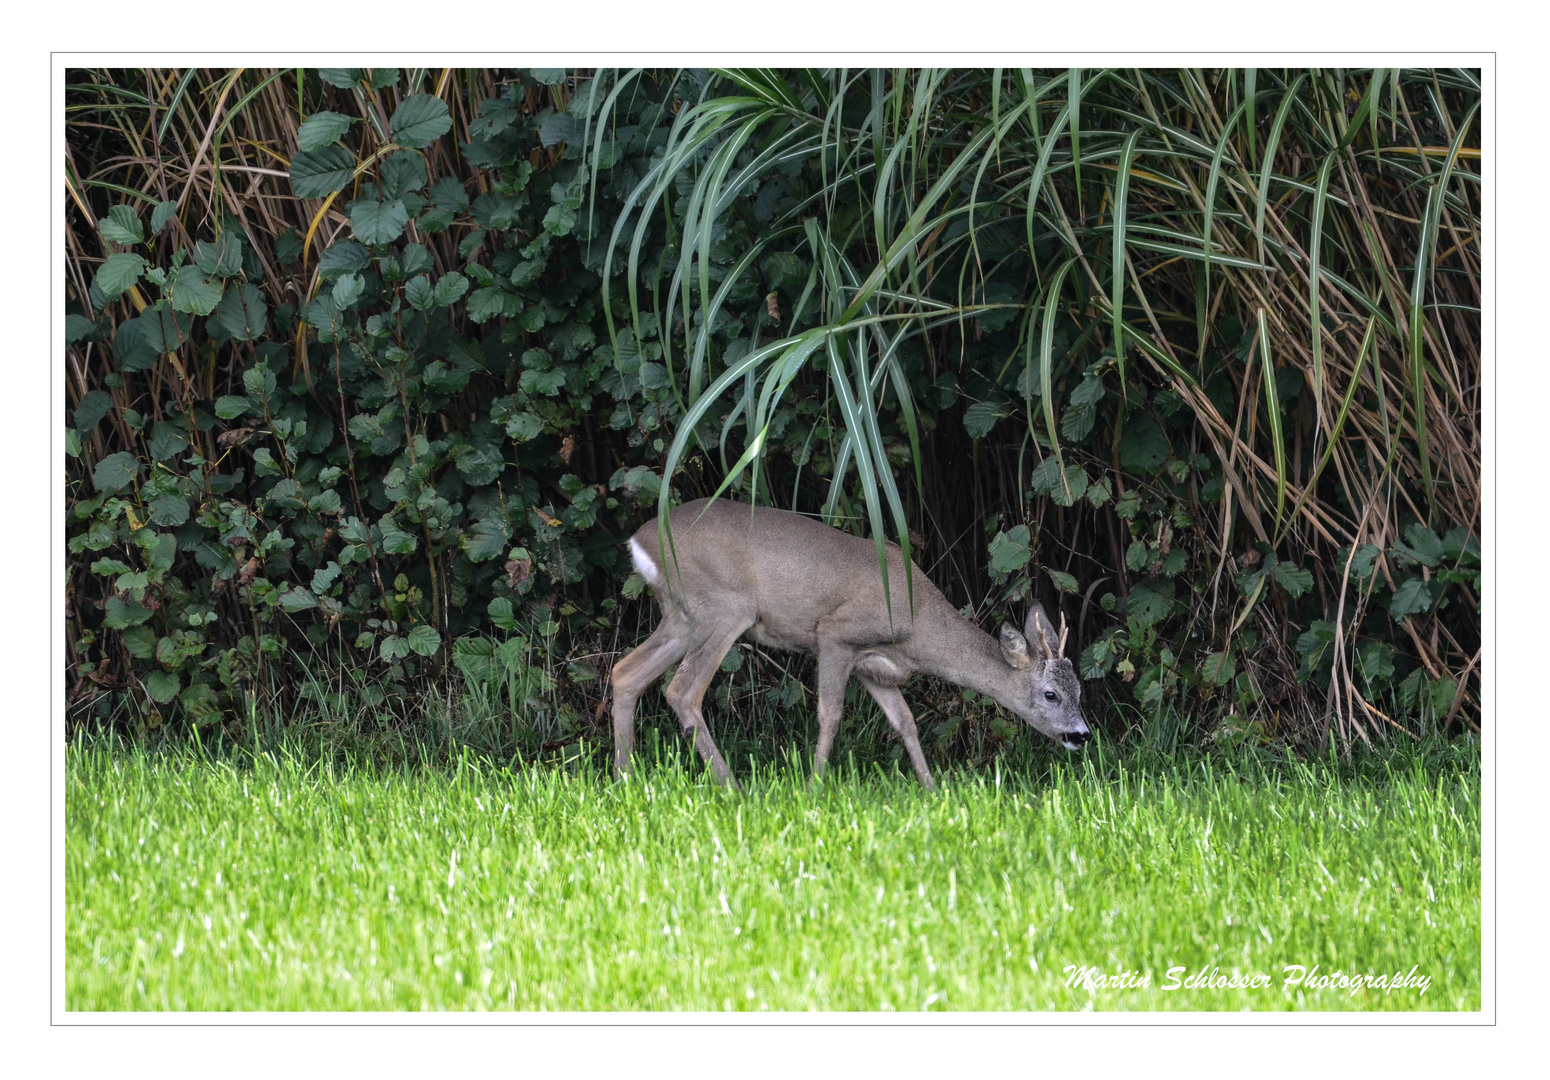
[(322, 128), (169, 511), (264, 463), (415, 259), (343, 257), (560, 220), (323, 577), (231, 406), (117, 273), (557, 128), (324, 314), (325, 502), (77, 328), (165, 330), (200, 701), (548, 76), (122, 226), (420, 120), (120, 614), (450, 289), (402, 173), (1143, 447), (347, 290), (1063, 581), (115, 472), (222, 259), (524, 426), (548, 383), (395, 541), (259, 382), (165, 211), (93, 406), (1009, 551), (487, 538), (980, 417), (1375, 663), (1295, 580), (486, 304), (1412, 597), (1219, 668), (423, 640), (1424, 545), (316, 175), (448, 193), (287, 247), (343, 78), (1146, 606), (130, 347), (502, 614), (481, 465), (472, 656), (375, 221), (1138, 555), (242, 312), (141, 642), (167, 440), (420, 294), (298, 599), (163, 686), (193, 292)]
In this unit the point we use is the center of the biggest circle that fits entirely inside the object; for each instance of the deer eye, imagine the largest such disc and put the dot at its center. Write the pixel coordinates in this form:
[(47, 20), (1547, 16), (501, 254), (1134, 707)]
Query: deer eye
[(1050, 695)]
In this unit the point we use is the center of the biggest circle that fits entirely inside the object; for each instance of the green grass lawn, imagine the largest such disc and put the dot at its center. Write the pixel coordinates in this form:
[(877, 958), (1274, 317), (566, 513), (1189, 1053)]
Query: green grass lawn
[(288, 883)]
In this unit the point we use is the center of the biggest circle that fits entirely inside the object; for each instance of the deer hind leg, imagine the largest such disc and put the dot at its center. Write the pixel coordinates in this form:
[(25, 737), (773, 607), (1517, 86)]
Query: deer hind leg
[(903, 721), (834, 665), (664, 648), (686, 693)]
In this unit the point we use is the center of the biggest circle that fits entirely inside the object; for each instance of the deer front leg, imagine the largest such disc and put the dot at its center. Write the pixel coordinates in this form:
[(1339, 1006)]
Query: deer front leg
[(686, 693), (630, 677), (903, 721), (834, 664)]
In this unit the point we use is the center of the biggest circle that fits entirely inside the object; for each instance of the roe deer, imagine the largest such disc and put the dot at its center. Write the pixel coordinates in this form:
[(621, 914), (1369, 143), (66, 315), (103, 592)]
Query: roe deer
[(794, 583)]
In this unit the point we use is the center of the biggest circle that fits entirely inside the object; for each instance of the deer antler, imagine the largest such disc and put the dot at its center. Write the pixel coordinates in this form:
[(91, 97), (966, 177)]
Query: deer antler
[(1044, 629), (1061, 651)]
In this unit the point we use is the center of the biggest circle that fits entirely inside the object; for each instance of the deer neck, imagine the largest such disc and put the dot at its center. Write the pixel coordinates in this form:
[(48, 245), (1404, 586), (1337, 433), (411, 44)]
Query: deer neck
[(952, 648)]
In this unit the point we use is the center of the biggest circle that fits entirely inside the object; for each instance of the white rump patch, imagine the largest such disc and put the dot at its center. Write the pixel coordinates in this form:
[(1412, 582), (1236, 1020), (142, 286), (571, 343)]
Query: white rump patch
[(643, 564)]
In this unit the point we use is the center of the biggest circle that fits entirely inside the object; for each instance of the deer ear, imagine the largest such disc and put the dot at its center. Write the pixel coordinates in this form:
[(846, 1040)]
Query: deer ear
[(1014, 647), (1039, 629)]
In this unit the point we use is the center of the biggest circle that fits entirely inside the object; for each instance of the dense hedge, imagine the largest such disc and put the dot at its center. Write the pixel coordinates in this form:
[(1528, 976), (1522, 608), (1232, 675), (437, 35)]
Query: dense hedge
[(371, 371)]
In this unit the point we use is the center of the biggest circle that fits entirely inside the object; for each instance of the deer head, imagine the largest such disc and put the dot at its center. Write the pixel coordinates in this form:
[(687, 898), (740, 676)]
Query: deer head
[(1047, 693)]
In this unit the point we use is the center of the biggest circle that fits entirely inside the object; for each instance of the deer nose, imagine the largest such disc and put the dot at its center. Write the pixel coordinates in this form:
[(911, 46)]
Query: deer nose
[(1074, 740)]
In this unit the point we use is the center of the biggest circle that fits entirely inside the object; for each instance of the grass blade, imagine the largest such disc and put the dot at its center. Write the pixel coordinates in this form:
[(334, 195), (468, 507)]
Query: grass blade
[(1273, 414), (1117, 291)]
